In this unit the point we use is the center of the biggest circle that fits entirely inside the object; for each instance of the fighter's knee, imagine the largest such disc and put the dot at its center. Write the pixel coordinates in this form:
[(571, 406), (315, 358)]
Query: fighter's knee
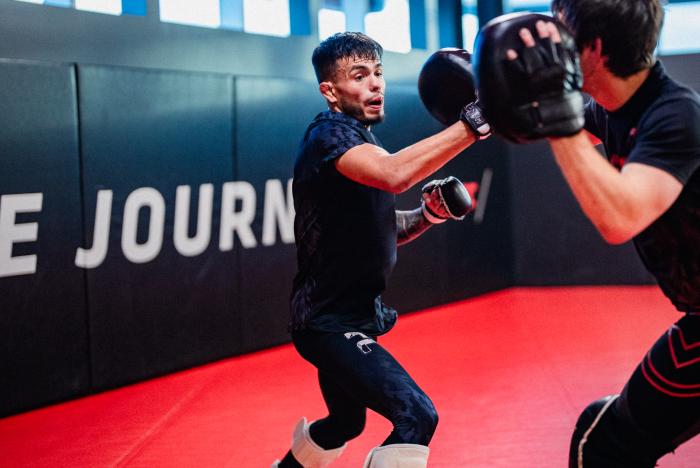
[(425, 420), (431, 418)]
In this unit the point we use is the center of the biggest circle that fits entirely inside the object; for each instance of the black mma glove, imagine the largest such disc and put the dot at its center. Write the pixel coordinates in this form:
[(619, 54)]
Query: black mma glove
[(473, 116), (446, 87), (547, 88), (445, 199)]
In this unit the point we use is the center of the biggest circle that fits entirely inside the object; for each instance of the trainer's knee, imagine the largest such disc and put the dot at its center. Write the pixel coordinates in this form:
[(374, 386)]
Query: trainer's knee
[(583, 441), (606, 437)]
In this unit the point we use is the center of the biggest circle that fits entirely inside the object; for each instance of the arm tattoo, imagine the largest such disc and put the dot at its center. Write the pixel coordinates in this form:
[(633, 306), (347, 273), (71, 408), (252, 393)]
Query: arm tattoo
[(410, 225)]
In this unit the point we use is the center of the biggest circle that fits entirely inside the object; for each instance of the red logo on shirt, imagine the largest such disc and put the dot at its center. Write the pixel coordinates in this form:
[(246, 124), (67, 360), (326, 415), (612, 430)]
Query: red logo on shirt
[(617, 160)]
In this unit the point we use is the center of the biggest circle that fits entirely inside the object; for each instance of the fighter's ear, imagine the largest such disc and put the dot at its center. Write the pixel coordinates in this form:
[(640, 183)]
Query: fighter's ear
[(592, 54), (595, 47), (327, 90)]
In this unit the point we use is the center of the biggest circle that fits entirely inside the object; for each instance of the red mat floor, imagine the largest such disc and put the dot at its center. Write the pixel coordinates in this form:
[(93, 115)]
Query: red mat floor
[(509, 373)]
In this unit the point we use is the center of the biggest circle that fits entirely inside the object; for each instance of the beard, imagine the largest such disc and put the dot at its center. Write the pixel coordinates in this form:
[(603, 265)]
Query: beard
[(356, 111)]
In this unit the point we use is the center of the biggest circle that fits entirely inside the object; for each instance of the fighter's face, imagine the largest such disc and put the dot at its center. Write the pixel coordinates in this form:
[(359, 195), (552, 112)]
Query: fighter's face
[(358, 89)]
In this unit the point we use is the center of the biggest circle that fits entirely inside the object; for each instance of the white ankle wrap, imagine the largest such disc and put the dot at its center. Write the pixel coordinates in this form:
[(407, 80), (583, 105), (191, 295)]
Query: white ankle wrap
[(307, 452), (398, 456)]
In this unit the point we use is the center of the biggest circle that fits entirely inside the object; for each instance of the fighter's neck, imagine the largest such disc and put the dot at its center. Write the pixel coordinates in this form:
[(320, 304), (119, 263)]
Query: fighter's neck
[(613, 92), (335, 108)]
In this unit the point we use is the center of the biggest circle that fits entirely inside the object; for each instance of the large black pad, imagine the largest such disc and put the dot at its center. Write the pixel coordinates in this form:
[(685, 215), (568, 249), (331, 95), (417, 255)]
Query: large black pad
[(446, 84), (537, 95)]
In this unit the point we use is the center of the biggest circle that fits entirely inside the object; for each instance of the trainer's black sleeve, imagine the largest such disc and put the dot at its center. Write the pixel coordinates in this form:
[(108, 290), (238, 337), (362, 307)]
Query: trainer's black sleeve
[(669, 138)]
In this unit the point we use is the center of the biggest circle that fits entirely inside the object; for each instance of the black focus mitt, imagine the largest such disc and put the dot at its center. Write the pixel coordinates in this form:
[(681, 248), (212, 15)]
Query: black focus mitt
[(536, 95)]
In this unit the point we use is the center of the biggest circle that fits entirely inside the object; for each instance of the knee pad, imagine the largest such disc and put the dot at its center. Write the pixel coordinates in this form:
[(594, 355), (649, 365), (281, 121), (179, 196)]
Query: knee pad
[(307, 452), (605, 437), (398, 455)]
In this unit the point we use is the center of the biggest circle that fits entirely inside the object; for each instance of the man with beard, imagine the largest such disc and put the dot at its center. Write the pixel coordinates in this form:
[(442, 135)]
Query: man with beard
[(347, 231)]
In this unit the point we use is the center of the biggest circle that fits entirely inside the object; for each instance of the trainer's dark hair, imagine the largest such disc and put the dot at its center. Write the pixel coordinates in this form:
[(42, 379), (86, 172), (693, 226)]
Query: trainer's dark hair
[(628, 29), (353, 45)]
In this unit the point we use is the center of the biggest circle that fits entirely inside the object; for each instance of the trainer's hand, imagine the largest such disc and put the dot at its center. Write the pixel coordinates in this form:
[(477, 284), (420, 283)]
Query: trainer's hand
[(550, 78), (445, 199)]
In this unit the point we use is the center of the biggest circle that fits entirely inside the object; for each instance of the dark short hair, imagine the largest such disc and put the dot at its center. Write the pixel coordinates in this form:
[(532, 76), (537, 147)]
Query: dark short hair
[(352, 45), (628, 29)]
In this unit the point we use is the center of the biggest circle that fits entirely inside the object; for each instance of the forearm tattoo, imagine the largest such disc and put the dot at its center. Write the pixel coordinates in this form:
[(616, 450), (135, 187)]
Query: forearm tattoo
[(410, 225)]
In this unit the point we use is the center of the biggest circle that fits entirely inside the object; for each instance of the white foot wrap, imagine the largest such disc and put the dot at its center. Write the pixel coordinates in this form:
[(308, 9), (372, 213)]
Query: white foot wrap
[(307, 452), (398, 456)]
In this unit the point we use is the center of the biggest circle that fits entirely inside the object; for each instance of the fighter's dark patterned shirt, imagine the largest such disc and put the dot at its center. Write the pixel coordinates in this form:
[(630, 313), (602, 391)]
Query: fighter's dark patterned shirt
[(345, 234), (660, 126)]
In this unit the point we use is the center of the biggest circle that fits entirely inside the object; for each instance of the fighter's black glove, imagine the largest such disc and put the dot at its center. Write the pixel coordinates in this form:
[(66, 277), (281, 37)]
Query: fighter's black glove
[(473, 115), (446, 87), (445, 199)]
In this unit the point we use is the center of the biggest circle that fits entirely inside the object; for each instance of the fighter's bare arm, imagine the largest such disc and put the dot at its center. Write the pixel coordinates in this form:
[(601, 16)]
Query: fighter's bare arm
[(371, 165)]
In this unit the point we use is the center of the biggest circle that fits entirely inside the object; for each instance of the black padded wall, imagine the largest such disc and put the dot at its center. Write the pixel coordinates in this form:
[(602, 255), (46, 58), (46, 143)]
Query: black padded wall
[(555, 244), (481, 260), (43, 322), (156, 308), (272, 115), (683, 68)]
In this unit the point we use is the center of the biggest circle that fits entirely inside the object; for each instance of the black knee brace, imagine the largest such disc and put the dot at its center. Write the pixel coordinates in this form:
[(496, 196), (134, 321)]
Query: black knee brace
[(607, 437)]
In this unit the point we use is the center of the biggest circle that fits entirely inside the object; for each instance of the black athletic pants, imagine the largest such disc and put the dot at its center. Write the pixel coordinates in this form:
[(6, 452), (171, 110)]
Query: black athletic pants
[(356, 373), (658, 409)]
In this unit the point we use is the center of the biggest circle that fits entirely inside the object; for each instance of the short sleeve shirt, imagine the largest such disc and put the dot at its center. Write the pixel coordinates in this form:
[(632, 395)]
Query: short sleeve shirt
[(345, 234), (660, 126)]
